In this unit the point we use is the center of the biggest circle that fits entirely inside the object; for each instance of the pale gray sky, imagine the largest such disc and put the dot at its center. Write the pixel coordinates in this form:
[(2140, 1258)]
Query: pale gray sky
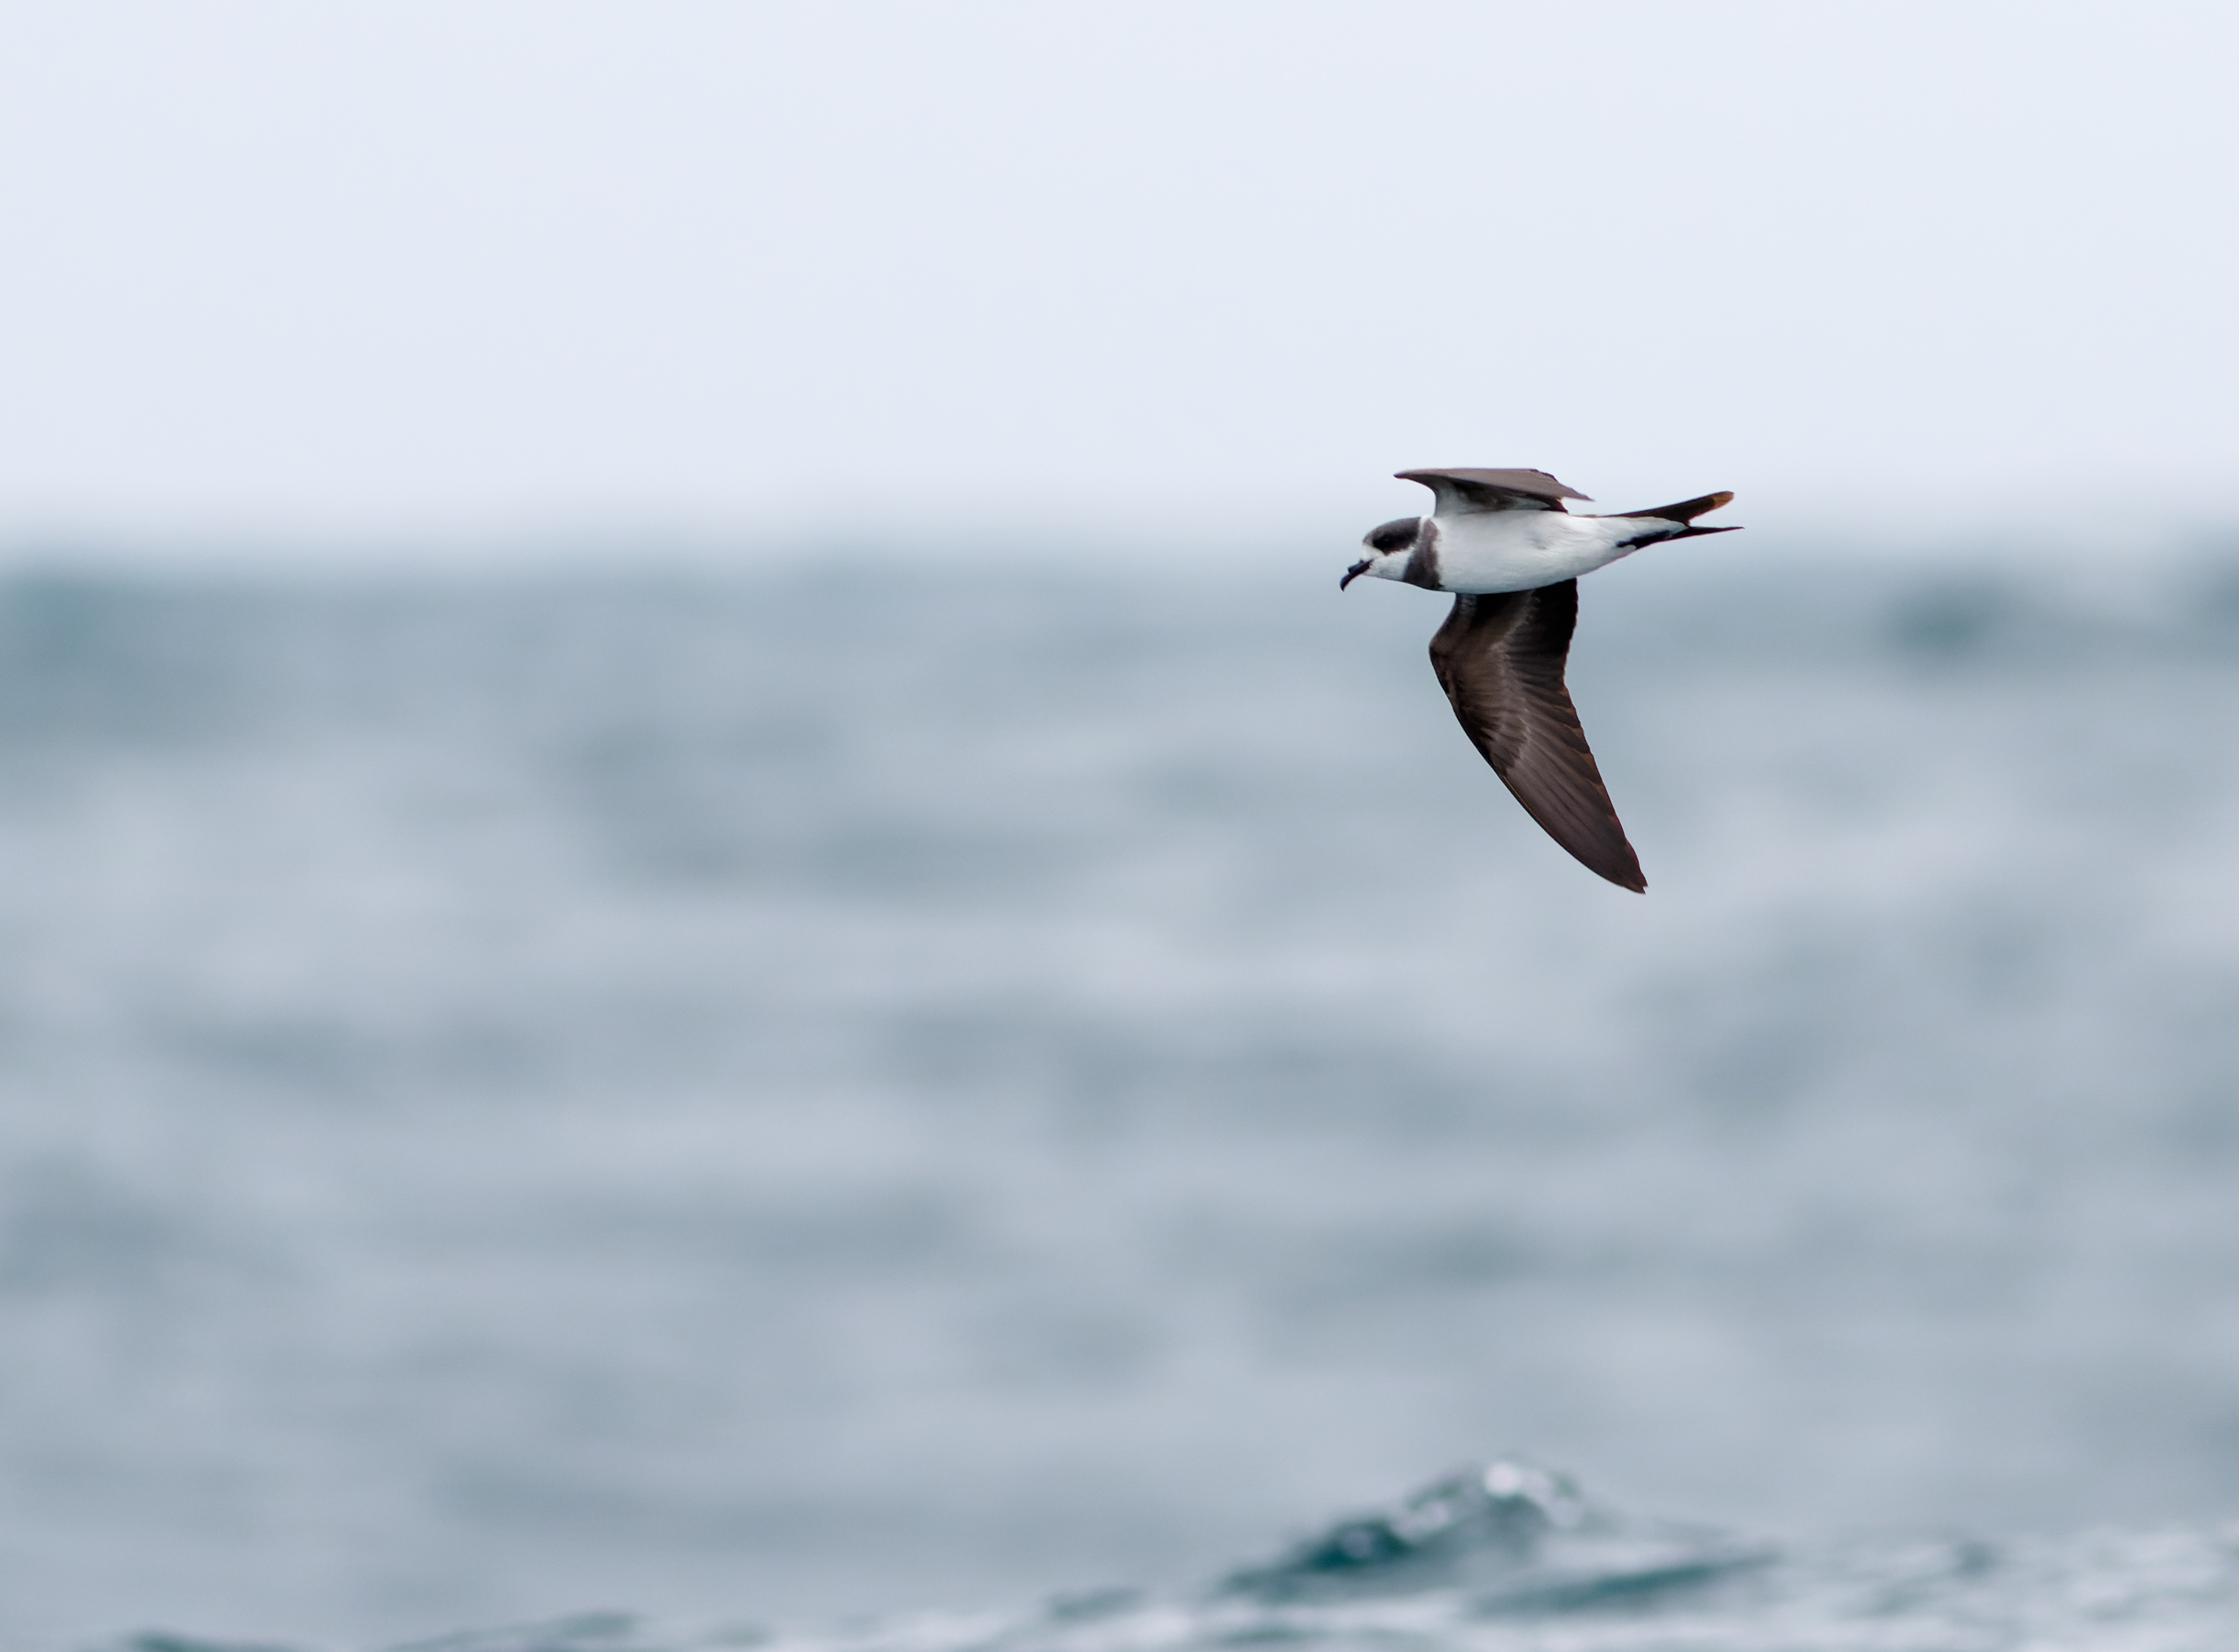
[(535, 266)]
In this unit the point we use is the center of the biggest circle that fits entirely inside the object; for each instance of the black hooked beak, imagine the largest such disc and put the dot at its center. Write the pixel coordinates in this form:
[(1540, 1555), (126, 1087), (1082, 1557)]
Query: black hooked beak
[(1355, 572)]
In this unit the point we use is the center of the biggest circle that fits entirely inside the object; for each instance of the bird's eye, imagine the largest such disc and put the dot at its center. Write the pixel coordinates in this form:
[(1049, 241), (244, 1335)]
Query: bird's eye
[(1392, 536)]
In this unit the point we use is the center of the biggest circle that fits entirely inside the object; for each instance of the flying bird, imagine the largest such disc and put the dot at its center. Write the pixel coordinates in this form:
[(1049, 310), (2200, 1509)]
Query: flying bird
[(1505, 543)]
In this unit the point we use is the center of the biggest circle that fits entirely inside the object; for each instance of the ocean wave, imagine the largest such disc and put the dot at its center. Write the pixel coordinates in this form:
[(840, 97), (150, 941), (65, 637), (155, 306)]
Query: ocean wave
[(1511, 1556)]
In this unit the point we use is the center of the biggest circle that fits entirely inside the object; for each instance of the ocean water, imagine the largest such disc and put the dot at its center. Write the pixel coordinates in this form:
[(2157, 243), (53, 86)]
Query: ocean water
[(856, 1104)]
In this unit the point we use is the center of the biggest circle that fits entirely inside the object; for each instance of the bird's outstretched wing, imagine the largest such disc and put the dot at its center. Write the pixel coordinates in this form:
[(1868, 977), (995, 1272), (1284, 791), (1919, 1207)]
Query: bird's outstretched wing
[(1462, 493), (1500, 660)]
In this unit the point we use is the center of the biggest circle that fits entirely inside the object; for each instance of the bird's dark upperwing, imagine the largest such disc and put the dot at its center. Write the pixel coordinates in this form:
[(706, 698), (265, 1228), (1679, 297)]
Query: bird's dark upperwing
[(1465, 493), (1500, 660)]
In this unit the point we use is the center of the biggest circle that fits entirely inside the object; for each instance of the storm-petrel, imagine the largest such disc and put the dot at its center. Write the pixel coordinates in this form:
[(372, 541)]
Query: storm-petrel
[(1504, 544)]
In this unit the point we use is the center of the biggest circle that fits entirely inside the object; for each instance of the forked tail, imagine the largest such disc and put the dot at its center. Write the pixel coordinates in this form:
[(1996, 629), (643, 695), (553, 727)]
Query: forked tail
[(1686, 510), (1684, 514)]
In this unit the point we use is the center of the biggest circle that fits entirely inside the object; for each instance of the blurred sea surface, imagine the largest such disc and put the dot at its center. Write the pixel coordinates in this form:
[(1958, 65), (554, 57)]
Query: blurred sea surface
[(770, 1095)]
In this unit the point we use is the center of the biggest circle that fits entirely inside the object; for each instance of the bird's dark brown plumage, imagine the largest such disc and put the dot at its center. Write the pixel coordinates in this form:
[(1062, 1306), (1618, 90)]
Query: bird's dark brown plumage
[(1500, 659), (1461, 492)]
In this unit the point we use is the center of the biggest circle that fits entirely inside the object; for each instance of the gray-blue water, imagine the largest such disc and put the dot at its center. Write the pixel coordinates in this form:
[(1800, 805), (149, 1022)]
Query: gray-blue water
[(775, 1098)]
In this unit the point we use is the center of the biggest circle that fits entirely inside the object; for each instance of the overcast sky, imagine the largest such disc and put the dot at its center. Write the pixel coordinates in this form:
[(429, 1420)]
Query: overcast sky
[(462, 270)]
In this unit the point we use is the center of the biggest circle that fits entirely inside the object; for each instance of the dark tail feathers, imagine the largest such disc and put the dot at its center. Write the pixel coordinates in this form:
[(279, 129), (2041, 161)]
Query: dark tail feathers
[(1687, 510)]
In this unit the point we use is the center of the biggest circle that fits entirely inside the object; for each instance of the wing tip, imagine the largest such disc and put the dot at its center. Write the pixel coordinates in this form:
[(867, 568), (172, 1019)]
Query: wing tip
[(1598, 845), (1611, 862)]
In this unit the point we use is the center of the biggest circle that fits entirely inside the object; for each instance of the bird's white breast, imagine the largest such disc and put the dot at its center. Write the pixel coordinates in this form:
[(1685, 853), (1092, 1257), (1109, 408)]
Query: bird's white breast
[(1522, 550)]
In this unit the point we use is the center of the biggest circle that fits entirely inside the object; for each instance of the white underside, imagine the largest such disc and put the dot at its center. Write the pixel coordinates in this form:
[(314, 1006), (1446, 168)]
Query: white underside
[(1522, 550)]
